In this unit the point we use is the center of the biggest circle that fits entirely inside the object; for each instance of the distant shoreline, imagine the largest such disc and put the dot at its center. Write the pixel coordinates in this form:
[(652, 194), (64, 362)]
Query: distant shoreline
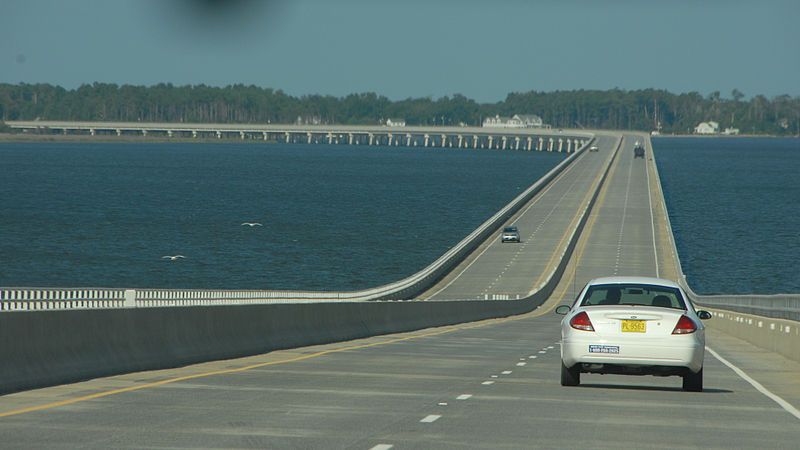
[(27, 137)]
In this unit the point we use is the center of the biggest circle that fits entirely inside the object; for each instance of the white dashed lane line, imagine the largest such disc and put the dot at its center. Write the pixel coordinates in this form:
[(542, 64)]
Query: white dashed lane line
[(382, 447), (431, 418), (506, 372), (486, 383), (464, 397), (520, 364)]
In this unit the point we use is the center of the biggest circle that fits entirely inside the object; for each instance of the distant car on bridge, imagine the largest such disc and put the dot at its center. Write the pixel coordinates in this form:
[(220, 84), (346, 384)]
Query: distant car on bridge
[(594, 148), (638, 150), (510, 234), (633, 326)]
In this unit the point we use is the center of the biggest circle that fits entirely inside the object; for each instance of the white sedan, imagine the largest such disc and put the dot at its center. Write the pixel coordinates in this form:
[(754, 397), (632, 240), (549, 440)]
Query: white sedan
[(633, 326)]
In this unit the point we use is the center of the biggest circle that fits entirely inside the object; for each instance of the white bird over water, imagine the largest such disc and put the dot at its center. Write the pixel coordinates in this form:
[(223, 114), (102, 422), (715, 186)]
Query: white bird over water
[(173, 258), (252, 224)]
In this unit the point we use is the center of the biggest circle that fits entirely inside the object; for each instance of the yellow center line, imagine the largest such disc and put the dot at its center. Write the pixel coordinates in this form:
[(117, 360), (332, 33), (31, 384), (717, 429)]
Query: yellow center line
[(154, 384)]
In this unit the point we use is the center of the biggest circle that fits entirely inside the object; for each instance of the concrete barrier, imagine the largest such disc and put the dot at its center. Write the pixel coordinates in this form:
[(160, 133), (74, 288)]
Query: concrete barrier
[(776, 335), (44, 348)]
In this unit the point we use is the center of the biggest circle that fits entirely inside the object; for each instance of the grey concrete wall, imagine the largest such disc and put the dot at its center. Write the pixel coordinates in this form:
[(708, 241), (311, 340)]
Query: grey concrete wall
[(41, 348), (776, 335)]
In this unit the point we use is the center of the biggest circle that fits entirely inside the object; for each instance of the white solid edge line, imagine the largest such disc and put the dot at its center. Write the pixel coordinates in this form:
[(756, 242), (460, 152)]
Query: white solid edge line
[(783, 403), (431, 418)]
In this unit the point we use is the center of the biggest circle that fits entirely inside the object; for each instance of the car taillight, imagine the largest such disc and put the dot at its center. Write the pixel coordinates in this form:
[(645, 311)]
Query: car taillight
[(581, 322), (685, 326)]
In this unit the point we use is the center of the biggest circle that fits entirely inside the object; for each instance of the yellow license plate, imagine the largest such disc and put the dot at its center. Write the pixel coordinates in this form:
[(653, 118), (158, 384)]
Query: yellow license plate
[(634, 326)]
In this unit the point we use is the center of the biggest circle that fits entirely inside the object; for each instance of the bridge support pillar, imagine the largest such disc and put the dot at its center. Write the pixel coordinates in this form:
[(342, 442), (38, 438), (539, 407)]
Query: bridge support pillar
[(350, 138), (516, 143), (427, 139), (241, 135), (460, 140), (474, 141), (444, 141), (530, 143), (288, 137), (505, 140), (144, 133), (491, 138), (408, 140), (390, 137), (550, 145), (560, 144), (371, 138), (194, 134), (169, 133), (265, 135), (330, 138), (92, 131), (119, 132), (540, 144)]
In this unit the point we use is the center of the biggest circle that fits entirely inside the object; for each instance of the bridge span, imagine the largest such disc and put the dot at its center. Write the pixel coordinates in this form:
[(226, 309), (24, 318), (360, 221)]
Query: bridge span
[(483, 384), (541, 139)]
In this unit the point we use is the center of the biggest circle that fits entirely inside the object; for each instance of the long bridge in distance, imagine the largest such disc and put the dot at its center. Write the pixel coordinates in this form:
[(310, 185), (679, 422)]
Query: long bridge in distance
[(463, 354), (540, 139)]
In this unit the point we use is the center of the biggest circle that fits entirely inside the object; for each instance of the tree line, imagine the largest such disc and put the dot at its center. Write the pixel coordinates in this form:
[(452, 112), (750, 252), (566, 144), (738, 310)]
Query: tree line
[(644, 110)]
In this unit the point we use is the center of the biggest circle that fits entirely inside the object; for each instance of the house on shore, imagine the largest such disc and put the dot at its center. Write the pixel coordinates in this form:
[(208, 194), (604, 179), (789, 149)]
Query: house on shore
[(709, 127), (395, 122), (517, 121)]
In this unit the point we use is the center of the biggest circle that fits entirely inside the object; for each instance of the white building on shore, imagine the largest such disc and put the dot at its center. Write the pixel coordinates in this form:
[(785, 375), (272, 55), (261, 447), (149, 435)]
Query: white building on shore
[(518, 121), (709, 127), (395, 122)]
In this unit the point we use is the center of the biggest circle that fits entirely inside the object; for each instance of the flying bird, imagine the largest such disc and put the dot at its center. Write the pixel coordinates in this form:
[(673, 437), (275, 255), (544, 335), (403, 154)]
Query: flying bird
[(252, 224), (173, 258)]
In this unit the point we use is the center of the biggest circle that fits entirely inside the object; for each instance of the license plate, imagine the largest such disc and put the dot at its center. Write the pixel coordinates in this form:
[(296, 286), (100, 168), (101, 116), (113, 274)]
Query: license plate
[(634, 326)]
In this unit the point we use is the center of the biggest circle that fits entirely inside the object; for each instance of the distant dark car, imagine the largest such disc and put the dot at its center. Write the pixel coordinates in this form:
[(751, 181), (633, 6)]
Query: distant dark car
[(510, 234), (638, 150)]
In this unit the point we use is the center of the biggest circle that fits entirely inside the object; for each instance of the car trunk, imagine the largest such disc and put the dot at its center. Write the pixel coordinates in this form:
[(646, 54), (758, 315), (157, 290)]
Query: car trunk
[(637, 322)]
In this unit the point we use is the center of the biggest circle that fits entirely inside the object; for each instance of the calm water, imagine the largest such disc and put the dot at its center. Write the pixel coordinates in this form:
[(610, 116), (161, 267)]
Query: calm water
[(334, 217), (734, 205)]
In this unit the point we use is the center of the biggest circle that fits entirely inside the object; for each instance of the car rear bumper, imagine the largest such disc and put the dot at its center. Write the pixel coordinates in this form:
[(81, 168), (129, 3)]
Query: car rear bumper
[(687, 352)]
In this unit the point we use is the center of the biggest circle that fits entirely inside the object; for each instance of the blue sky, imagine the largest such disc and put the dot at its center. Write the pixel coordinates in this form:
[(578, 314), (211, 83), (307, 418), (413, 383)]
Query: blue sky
[(409, 48)]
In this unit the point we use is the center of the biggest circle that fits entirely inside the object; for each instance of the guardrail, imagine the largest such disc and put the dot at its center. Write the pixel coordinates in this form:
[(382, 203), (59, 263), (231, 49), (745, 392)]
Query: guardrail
[(27, 299), (779, 306)]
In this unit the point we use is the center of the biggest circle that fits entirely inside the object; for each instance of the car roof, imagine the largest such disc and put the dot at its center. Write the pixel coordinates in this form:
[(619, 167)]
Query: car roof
[(634, 280)]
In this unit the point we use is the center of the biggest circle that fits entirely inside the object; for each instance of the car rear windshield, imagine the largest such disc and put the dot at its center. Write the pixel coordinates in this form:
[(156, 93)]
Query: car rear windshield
[(509, 230), (634, 294)]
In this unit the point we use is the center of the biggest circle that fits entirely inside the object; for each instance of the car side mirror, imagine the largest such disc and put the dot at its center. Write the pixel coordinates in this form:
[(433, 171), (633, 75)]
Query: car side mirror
[(563, 310), (703, 315)]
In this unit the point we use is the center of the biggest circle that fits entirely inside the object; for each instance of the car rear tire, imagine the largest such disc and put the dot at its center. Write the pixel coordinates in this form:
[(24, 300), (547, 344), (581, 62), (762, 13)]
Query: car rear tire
[(570, 376), (693, 382)]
